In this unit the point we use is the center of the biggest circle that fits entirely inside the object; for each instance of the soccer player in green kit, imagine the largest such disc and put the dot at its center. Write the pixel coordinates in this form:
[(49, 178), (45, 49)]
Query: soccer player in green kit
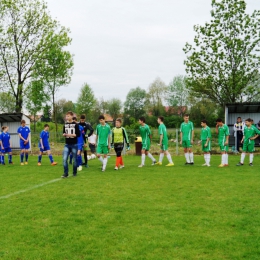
[(186, 136), (205, 137), (222, 131), (163, 143), (103, 141), (249, 136), (146, 141)]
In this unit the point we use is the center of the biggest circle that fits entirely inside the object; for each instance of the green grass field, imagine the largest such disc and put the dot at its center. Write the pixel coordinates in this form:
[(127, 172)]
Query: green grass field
[(155, 212)]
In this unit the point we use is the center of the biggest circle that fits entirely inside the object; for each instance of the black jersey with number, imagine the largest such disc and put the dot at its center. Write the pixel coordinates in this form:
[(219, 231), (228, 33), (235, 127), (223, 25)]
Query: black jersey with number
[(71, 128)]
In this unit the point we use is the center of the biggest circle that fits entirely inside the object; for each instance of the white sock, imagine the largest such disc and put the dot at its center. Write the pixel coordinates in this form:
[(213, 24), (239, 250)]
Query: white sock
[(251, 157), (205, 157), (101, 159), (151, 157), (161, 157), (187, 157), (191, 157), (143, 159), (208, 158), (226, 159), (169, 158), (104, 163), (243, 155), (223, 158)]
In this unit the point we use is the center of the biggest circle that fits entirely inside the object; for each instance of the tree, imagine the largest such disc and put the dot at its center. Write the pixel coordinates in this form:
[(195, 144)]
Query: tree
[(155, 95), (35, 97), (177, 93), (86, 100), (134, 105), (62, 106), (114, 108), (25, 36), (7, 103), (223, 64)]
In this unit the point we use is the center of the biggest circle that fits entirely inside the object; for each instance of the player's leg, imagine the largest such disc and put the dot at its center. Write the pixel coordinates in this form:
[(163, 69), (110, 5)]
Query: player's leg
[(190, 153), (51, 157), (105, 152), (74, 150), (243, 154), (22, 154), (40, 157), (121, 158), (3, 157), (71, 156), (10, 156), (161, 156), (79, 158), (142, 156), (66, 152), (27, 147), (99, 154), (168, 155), (149, 154), (251, 149), (186, 154), (117, 149)]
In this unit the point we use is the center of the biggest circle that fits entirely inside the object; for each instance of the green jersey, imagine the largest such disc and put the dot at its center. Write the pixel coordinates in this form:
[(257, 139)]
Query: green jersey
[(205, 133), (145, 133), (103, 132), (223, 132), (163, 132), (186, 130), (119, 134), (250, 132)]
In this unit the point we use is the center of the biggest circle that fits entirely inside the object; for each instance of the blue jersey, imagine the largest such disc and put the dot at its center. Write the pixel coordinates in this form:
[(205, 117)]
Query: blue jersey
[(82, 133), (24, 131), (45, 138), (5, 138)]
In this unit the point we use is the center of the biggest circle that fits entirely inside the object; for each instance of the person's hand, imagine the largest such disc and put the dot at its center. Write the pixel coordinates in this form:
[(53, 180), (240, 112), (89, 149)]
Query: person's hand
[(42, 147), (191, 141), (112, 146), (226, 143), (180, 142), (206, 144)]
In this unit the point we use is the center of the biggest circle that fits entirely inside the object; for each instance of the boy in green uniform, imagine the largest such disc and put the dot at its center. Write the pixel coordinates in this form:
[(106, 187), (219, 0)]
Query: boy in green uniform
[(249, 136), (205, 137), (222, 131), (146, 141), (119, 135), (186, 136), (103, 141), (163, 142)]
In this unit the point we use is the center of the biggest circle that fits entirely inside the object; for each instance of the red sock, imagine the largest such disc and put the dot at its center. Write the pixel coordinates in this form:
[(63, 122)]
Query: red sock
[(121, 160), (117, 161)]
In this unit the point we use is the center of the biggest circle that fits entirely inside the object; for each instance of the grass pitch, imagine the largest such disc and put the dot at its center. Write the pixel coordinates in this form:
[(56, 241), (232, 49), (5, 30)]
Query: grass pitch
[(154, 213)]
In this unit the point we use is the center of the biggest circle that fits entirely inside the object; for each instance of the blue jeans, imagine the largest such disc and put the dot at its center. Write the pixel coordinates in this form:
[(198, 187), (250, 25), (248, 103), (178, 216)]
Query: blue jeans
[(70, 148)]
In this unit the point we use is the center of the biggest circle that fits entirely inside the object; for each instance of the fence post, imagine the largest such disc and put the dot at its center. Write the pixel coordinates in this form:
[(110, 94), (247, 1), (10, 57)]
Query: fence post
[(177, 142)]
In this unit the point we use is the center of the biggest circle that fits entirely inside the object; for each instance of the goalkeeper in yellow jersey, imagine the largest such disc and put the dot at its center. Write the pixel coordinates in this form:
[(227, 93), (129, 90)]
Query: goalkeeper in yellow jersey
[(119, 136)]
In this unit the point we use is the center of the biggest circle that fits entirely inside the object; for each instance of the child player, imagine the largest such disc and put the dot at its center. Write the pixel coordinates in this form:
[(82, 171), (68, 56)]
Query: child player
[(187, 136), (222, 131), (6, 145), (24, 135), (145, 133), (71, 133), (205, 137), (45, 146), (103, 141), (249, 136), (163, 142), (119, 135), (80, 145)]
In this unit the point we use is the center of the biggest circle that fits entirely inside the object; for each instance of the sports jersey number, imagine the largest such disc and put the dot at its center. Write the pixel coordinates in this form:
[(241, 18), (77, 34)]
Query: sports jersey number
[(70, 131)]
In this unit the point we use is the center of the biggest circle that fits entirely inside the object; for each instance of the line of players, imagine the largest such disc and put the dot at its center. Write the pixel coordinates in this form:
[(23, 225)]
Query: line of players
[(75, 134)]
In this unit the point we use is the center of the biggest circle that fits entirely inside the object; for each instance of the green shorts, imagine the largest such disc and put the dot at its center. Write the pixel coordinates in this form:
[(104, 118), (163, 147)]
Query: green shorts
[(102, 149), (223, 148), (146, 146), (164, 147), (207, 148), (249, 146), (186, 144)]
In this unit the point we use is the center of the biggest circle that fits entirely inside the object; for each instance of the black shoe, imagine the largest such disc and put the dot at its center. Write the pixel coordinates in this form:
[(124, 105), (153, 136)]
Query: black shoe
[(187, 163), (83, 164), (250, 164), (86, 165), (191, 163), (74, 175), (65, 176), (240, 164), (70, 162), (3, 163)]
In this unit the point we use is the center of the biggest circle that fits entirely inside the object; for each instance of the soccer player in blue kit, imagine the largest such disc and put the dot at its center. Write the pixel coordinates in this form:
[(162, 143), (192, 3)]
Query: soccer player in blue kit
[(5, 145), (24, 135), (45, 146)]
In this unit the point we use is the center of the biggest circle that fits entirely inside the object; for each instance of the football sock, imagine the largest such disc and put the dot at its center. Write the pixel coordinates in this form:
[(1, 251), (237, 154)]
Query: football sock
[(207, 158), (51, 158), (243, 155), (161, 157), (251, 157), (117, 161), (3, 159), (101, 159), (10, 158), (191, 157), (223, 158), (85, 157), (121, 160), (26, 157), (71, 156), (21, 157), (226, 158), (169, 158), (143, 159), (151, 157), (104, 163), (39, 158), (187, 157)]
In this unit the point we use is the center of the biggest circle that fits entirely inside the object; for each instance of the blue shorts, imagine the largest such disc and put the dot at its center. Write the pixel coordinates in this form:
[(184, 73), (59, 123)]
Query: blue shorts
[(24, 146), (6, 150), (45, 148), (80, 147)]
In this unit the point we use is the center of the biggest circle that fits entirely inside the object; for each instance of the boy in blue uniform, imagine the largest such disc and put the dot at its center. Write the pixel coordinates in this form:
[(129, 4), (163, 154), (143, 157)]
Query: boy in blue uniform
[(24, 135), (6, 145), (45, 146)]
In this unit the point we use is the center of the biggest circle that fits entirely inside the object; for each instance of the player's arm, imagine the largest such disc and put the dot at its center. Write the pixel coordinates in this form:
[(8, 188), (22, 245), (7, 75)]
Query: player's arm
[(112, 140), (181, 137), (108, 139), (20, 136), (91, 130), (28, 138), (217, 129), (192, 136), (10, 145), (1, 144), (96, 137), (161, 138), (125, 136)]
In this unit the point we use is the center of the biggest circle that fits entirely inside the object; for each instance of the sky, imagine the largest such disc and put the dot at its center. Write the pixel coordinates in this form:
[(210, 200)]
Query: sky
[(122, 44)]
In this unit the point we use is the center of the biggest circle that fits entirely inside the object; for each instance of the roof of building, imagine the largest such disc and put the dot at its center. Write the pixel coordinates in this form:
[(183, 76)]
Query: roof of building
[(249, 107), (11, 117)]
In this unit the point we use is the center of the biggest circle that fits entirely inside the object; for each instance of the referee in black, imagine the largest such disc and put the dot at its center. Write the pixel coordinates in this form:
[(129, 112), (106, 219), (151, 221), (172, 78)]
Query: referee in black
[(87, 128)]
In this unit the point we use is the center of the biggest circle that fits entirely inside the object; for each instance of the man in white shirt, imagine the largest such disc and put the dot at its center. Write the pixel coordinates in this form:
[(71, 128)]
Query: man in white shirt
[(238, 132)]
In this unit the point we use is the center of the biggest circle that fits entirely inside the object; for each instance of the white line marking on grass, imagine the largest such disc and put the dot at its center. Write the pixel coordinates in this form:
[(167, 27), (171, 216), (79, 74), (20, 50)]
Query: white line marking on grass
[(25, 190)]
